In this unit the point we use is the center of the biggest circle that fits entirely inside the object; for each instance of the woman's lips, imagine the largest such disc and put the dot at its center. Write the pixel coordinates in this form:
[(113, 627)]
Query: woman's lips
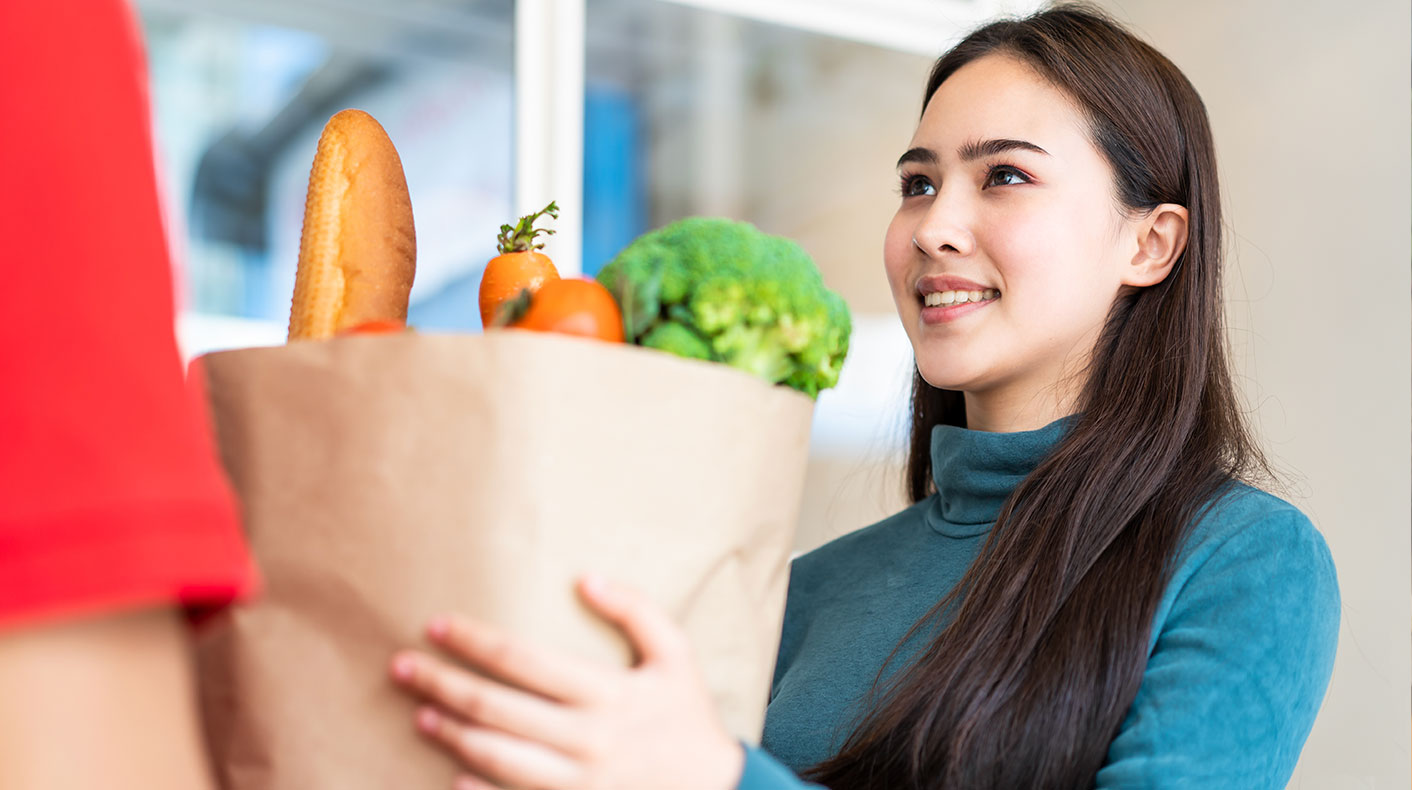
[(947, 313), (948, 297), (938, 283)]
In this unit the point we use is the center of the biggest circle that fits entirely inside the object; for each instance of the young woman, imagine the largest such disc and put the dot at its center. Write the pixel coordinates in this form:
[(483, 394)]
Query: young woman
[(1086, 591)]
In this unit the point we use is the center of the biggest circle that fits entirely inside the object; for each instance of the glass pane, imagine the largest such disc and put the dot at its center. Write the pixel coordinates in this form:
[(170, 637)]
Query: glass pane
[(241, 91), (695, 112)]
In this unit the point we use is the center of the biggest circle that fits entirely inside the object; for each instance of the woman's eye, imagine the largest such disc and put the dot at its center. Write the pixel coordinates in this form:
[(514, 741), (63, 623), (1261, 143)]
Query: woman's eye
[(915, 186), (1003, 175)]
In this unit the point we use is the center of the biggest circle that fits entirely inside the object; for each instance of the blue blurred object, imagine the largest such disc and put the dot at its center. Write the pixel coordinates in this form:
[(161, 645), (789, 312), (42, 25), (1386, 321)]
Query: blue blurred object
[(615, 205)]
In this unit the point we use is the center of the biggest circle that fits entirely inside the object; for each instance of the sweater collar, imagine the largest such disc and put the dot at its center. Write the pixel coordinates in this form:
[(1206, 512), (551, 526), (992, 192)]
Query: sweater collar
[(975, 471)]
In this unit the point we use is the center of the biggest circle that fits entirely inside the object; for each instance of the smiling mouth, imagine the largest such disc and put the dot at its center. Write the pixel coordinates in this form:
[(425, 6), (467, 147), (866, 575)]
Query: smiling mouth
[(951, 298)]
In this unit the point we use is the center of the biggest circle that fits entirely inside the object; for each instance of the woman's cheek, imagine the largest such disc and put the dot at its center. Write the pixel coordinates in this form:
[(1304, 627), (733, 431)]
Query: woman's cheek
[(897, 251), (897, 248)]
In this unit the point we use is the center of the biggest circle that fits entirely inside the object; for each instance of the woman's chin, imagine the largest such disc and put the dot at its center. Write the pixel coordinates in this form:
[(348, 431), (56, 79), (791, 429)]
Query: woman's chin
[(947, 378)]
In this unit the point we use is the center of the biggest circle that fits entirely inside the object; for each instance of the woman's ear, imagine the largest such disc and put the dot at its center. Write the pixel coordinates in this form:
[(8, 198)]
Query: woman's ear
[(1161, 238)]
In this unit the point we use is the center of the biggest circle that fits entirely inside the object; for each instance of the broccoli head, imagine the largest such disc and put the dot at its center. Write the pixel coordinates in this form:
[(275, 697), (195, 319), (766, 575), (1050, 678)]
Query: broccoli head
[(677, 338), (714, 289)]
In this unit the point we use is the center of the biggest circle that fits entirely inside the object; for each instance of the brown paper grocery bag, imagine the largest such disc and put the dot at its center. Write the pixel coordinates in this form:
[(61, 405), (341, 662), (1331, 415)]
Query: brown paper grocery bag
[(386, 479)]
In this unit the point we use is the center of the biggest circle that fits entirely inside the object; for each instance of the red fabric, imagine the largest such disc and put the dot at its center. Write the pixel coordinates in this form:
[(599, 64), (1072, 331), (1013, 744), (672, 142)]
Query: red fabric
[(110, 494)]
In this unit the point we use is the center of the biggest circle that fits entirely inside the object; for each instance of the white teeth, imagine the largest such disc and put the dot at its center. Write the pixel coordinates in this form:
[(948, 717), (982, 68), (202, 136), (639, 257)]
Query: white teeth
[(942, 298)]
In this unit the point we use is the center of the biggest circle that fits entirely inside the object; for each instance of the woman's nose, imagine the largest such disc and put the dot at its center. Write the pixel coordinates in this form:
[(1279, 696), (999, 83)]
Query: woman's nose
[(944, 230)]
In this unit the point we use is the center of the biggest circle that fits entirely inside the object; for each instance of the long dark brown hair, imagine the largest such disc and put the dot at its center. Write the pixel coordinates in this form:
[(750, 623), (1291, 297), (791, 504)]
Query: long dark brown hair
[(1028, 683)]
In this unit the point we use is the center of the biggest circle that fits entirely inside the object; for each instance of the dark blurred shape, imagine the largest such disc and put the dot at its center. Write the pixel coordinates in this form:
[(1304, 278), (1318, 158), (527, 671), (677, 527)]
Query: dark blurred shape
[(230, 194)]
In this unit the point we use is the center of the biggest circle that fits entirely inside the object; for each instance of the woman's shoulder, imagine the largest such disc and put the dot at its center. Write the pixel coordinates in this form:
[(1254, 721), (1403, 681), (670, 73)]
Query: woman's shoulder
[(1241, 517), (1242, 650), (1249, 548)]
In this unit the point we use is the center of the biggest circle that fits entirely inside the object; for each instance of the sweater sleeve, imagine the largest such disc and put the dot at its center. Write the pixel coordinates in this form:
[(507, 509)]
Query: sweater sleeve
[(1239, 668), (763, 772)]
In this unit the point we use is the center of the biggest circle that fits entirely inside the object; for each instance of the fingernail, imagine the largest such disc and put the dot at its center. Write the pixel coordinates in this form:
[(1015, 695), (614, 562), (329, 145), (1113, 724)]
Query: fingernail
[(403, 667), (439, 627), (428, 719)]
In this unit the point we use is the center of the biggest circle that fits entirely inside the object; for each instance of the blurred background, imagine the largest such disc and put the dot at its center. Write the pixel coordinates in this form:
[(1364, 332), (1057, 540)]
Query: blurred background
[(790, 114)]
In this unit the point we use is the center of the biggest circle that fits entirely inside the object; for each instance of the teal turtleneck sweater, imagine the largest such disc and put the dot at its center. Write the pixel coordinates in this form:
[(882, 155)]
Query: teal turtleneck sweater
[(1241, 652)]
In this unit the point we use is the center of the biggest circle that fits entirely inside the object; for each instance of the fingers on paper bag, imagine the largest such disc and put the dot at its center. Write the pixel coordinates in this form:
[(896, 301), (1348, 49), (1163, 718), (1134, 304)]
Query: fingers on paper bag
[(496, 756), (654, 636), (485, 702), (502, 656)]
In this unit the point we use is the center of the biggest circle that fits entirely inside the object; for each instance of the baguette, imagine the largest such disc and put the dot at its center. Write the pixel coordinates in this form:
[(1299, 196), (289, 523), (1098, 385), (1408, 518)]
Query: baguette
[(358, 248)]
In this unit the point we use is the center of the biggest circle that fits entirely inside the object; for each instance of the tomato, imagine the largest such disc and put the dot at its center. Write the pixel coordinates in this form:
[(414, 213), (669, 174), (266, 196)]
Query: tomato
[(574, 307), (509, 274), (519, 267)]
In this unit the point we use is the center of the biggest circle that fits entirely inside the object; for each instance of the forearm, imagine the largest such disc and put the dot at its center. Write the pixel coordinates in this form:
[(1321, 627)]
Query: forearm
[(104, 702)]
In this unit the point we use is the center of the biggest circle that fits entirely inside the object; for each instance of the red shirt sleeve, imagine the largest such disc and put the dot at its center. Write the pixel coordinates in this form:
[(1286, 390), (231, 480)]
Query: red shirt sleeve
[(110, 494)]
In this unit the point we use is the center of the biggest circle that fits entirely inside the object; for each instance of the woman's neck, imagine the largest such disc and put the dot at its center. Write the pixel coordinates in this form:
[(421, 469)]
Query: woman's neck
[(1019, 408), (1035, 398)]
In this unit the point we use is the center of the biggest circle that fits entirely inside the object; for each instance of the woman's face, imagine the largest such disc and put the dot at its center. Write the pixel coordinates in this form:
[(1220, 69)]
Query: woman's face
[(1004, 198)]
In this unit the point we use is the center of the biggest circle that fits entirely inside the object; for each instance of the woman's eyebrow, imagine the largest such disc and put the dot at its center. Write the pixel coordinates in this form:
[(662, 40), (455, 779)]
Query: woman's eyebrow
[(971, 151), (981, 148), (925, 156)]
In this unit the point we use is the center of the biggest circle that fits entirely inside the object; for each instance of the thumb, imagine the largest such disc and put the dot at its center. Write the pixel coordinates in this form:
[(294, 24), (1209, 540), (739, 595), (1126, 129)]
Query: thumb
[(654, 637)]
